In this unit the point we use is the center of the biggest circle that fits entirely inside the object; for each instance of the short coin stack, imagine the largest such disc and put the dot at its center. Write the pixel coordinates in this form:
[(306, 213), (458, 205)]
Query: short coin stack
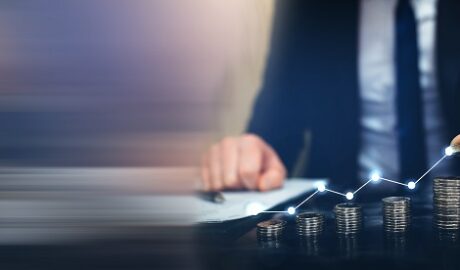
[(270, 229), (309, 223), (447, 203), (396, 214), (348, 217)]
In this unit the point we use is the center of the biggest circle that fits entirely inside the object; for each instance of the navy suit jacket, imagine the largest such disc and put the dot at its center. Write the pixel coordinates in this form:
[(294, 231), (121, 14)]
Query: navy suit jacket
[(311, 83)]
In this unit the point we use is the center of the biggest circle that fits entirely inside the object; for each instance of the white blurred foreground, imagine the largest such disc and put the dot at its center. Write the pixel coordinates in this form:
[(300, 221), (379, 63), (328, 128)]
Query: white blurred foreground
[(48, 205)]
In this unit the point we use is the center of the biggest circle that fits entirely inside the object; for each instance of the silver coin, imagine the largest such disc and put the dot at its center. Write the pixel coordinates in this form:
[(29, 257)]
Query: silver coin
[(270, 229), (348, 218), (396, 214), (309, 223), (272, 223), (446, 202)]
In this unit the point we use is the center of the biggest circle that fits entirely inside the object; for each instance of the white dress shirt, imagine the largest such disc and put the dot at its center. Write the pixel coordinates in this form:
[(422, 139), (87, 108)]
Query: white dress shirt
[(379, 150)]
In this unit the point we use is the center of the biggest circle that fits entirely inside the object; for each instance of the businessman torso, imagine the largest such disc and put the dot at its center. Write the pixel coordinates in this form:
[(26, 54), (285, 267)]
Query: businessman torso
[(312, 83)]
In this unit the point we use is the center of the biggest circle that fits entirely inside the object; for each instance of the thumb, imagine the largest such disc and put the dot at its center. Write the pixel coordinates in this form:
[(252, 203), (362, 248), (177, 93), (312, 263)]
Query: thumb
[(456, 141), (273, 173)]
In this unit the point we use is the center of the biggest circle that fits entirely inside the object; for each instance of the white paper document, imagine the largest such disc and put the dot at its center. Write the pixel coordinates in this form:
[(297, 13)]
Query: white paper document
[(245, 203)]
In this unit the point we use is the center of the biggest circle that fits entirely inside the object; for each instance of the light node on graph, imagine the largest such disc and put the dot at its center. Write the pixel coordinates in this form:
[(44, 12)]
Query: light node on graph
[(291, 210), (451, 150), (411, 185), (349, 196), (375, 176), (254, 208), (321, 188)]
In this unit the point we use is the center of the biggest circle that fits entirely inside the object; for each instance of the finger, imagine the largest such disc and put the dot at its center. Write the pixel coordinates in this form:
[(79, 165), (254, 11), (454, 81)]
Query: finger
[(456, 141), (274, 171), (271, 179), (205, 174), (250, 161), (229, 165)]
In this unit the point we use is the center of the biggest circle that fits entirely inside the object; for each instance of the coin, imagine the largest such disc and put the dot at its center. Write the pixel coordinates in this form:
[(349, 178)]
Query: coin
[(348, 218), (309, 223), (446, 203), (396, 214), (270, 229)]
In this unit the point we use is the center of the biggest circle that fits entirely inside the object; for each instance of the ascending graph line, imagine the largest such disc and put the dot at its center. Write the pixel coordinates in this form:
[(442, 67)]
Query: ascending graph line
[(432, 167), (365, 184), (308, 198), (349, 195)]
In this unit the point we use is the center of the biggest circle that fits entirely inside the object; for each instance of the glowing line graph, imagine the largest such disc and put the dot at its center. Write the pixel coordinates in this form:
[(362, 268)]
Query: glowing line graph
[(449, 151)]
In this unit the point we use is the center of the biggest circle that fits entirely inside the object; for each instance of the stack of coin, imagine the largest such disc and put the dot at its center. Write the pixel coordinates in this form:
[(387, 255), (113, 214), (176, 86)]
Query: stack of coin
[(348, 217), (447, 203), (396, 214), (309, 223), (270, 229)]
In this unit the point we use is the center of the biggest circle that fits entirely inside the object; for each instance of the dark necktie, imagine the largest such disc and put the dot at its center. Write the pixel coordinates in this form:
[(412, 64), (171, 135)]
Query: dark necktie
[(412, 152)]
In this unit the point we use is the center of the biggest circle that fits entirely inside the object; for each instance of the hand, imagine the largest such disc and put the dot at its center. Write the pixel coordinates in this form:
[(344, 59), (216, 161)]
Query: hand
[(456, 141), (245, 161)]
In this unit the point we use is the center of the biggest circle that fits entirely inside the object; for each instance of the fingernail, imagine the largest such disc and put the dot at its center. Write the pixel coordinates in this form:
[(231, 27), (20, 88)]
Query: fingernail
[(266, 184)]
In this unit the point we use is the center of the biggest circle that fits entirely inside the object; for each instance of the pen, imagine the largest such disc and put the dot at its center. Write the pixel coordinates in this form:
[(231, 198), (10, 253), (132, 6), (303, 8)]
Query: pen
[(215, 197)]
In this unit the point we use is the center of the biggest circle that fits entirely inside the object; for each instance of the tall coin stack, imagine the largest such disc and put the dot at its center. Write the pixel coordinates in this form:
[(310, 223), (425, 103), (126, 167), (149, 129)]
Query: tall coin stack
[(348, 218), (396, 214), (447, 203), (309, 223), (270, 229)]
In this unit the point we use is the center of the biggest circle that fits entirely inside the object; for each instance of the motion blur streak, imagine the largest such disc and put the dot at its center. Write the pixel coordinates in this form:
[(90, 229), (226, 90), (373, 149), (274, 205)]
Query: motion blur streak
[(104, 83), (48, 205), (105, 109)]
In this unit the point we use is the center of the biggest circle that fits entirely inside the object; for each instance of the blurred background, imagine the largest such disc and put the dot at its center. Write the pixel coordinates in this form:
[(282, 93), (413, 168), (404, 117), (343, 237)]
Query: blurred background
[(126, 83), (106, 106)]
